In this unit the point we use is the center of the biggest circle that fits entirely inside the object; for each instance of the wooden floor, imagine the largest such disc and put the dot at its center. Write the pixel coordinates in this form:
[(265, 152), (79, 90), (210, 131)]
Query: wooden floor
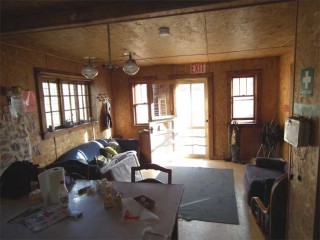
[(198, 230)]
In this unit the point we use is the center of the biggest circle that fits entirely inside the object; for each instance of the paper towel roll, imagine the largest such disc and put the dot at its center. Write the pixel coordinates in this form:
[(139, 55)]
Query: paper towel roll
[(49, 184), (56, 175)]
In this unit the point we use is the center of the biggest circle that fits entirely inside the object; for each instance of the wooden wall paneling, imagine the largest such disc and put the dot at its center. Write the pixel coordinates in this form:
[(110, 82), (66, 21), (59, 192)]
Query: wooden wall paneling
[(270, 70), (19, 67), (285, 97), (122, 105), (238, 29), (302, 194)]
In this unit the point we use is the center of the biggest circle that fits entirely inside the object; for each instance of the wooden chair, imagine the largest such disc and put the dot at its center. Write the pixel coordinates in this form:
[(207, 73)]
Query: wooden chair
[(272, 219), (151, 166), (156, 167)]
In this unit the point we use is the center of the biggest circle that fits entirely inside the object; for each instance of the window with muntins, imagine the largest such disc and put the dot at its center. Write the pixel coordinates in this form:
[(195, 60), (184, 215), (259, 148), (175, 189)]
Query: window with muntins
[(244, 98), (64, 101), (140, 103)]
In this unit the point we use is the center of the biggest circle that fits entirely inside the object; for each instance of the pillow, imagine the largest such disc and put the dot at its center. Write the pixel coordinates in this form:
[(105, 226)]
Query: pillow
[(107, 151), (115, 145), (100, 160)]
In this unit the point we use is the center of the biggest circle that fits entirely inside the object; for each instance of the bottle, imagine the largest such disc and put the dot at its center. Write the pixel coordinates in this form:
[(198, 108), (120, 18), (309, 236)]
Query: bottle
[(108, 201), (118, 201), (109, 188), (63, 195)]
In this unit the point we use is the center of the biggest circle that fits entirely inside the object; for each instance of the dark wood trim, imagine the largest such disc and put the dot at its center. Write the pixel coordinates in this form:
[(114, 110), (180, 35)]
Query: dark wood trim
[(50, 73), (190, 76), (150, 100), (316, 232), (41, 74), (39, 96), (63, 131), (142, 79), (102, 12), (210, 111), (84, 13), (139, 80), (258, 82)]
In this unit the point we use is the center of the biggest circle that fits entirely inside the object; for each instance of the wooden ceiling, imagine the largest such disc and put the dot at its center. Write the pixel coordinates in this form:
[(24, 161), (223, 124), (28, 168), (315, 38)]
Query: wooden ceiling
[(204, 33)]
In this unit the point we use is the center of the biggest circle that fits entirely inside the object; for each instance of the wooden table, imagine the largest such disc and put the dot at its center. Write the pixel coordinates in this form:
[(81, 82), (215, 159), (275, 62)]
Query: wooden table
[(97, 222)]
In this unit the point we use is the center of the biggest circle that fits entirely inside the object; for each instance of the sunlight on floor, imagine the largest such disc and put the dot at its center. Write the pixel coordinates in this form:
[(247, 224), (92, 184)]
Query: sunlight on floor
[(247, 229)]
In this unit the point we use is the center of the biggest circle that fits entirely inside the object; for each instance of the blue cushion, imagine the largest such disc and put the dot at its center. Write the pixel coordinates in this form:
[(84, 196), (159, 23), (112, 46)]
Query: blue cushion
[(86, 151), (271, 163), (104, 142), (253, 173)]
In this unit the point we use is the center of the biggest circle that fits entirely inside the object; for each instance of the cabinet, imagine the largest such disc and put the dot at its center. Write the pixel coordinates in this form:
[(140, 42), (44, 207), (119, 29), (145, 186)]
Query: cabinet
[(145, 147)]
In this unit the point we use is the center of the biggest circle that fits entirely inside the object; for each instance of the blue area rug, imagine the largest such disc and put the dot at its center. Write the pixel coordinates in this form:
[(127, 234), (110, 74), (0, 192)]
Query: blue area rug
[(209, 194)]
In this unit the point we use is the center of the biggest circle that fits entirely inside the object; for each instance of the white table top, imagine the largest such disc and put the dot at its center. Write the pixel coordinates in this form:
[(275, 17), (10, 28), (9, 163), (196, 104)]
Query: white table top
[(97, 222)]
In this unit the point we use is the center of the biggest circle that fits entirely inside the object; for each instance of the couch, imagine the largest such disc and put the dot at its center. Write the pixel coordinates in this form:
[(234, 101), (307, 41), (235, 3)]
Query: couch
[(272, 219), (259, 177), (81, 161)]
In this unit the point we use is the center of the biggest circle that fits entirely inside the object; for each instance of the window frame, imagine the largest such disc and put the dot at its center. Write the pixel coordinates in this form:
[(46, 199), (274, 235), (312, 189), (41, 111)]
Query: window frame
[(169, 104), (134, 104), (256, 74), (150, 81), (46, 75)]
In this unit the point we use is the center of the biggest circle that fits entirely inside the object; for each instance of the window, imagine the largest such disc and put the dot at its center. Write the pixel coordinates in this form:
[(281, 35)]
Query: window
[(162, 101), (244, 98), (64, 100), (140, 103), (151, 101)]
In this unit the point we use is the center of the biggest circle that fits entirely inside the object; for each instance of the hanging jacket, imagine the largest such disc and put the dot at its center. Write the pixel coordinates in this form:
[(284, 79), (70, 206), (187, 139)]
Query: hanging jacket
[(108, 117)]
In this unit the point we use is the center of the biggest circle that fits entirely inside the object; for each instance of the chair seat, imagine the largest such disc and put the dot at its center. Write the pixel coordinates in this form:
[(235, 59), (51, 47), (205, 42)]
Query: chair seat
[(151, 166)]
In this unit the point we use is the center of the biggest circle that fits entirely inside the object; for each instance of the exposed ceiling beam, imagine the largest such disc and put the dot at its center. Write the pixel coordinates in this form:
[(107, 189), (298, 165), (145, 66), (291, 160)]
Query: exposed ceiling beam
[(52, 15)]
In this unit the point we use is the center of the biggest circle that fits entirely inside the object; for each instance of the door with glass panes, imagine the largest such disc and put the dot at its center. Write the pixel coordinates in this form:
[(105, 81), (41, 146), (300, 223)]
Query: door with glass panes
[(191, 120)]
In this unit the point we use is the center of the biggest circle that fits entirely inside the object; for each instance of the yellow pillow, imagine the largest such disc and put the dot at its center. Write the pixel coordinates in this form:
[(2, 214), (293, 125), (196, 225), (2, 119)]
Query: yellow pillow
[(108, 150)]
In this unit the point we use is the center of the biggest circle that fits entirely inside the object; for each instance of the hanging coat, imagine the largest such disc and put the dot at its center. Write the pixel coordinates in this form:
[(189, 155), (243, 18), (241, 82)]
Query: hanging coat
[(108, 117)]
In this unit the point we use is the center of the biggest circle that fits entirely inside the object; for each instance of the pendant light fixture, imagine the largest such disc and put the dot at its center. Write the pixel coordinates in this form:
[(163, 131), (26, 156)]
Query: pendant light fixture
[(89, 71), (130, 67)]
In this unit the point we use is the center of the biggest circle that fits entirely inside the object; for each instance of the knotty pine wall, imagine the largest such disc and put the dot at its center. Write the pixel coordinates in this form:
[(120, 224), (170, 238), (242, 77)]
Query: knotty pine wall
[(250, 135), (17, 67), (285, 97), (303, 194)]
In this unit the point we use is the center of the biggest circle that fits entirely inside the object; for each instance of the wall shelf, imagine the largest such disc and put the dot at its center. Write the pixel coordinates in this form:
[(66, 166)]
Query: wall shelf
[(62, 131)]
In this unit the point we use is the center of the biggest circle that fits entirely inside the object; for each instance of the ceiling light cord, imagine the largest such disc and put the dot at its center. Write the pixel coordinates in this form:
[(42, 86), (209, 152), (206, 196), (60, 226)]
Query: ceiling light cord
[(109, 48)]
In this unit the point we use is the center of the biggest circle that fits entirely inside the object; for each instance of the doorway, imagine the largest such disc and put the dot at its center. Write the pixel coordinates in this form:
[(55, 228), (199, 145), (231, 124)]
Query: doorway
[(191, 119)]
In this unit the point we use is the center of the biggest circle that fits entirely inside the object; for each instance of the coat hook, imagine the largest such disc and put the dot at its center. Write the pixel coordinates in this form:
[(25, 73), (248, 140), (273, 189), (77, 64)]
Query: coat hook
[(103, 97)]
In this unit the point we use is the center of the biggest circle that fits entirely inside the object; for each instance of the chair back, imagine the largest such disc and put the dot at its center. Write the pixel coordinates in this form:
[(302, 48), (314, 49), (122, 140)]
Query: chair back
[(278, 208), (151, 166)]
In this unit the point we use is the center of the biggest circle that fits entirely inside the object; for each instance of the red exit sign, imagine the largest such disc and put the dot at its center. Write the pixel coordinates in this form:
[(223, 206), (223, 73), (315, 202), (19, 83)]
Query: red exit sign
[(198, 68)]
